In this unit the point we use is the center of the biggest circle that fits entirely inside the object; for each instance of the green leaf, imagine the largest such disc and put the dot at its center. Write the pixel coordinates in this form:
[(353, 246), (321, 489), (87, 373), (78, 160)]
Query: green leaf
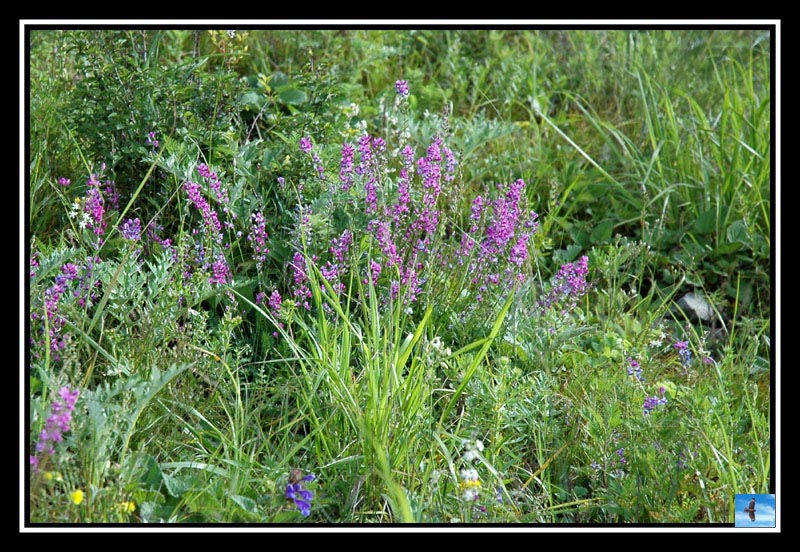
[(252, 100), (176, 485), (728, 248), (278, 79), (292, 96), (602, 232), (706, 222), (247, 504), (760, 366), (737, 232), (567, 255), (152, 476)]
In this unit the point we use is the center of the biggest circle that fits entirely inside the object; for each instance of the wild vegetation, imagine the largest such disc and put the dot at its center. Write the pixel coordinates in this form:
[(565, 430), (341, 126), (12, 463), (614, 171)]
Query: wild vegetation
[(383, 276)]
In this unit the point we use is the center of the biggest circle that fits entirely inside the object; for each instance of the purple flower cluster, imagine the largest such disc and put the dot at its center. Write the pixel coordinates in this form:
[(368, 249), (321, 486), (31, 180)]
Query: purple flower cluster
[(634, 369), (258, 239), (94, 205), (52, 298), (684, 353), (307, 147), (297, 492), (151, 139), (212, 224), (216, 265), (402, 228), (496, 247), (220, 193), (34, 264), (370, 168), (651, 402), (221, 273), (64, 182), (621, 457), (333, 269), (275, 301), (56, 425), (346, 166), (166, 243), (132, 229), (401, 87), (414, 223), (111, 194), (403, 209), (568, 287), (301, 290)]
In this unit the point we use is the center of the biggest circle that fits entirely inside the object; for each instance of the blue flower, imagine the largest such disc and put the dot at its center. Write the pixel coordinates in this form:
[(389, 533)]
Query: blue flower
[(296, 492), (634, 369), (684, 352)]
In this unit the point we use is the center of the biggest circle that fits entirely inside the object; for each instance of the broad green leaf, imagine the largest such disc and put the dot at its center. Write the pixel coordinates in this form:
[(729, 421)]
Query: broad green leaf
[(292, 96), (737, 232), (602, 232), (705, 223)]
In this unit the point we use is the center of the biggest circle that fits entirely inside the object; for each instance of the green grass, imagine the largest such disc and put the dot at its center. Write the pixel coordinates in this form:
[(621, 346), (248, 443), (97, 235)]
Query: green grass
[(646, 151)]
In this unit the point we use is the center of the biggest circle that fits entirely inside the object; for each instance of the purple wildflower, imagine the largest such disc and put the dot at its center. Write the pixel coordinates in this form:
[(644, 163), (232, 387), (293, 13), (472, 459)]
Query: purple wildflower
[(64, 181), (568, 286), (221, 272), (52, 297), (151, 139), (651, 402), (297, 493), (496, 244), (374, 271), (306, 146), (684, 353), (258, 239), (346, 166), (209, 215), (301, 291), (401, 87), (275, 302), (34, 264), (621, 454), (94, 205), (220, 192), (132, 229), (111, 195), (634, 369), (56, 425)]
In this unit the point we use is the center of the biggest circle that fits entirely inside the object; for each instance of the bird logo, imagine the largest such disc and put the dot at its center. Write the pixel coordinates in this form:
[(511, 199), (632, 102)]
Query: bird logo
[(751, 509)]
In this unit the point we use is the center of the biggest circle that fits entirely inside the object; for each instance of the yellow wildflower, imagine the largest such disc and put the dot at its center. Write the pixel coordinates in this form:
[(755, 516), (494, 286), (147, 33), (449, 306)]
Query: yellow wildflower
[(76, 496)]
